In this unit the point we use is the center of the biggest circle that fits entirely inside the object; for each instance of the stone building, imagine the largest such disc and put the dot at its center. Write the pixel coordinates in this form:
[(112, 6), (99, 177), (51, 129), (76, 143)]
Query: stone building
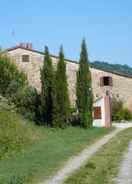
[(30, 61)]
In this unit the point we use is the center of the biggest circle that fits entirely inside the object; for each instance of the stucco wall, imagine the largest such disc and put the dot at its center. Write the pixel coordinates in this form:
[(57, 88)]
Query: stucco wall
[(100, 122), (122, 86)]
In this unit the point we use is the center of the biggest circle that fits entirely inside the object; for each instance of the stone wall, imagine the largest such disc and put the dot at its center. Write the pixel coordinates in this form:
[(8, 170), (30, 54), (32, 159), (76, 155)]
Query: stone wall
[(122, 86)]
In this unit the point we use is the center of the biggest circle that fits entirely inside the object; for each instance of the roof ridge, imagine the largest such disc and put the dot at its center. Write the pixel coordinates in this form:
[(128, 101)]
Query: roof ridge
[(68, 60)]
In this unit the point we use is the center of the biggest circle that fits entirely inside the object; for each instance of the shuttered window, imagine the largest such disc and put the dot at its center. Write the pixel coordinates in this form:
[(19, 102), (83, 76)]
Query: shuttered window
[(25, 58), (97, 113), (106, 81)]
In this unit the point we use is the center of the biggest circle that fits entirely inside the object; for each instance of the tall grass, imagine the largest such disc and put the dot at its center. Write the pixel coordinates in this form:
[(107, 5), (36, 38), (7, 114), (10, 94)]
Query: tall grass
[(40, 160), (14, 134)]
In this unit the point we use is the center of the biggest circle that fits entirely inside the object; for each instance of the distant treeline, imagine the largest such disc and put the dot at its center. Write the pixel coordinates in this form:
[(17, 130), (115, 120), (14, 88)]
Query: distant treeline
[(114, 68)]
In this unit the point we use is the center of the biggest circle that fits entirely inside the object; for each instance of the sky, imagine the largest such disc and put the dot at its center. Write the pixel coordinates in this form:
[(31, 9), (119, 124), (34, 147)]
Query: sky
[(105, 24)]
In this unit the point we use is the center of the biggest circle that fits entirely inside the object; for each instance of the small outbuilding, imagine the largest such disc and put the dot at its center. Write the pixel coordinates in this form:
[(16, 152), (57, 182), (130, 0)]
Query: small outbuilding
[(102, 112)]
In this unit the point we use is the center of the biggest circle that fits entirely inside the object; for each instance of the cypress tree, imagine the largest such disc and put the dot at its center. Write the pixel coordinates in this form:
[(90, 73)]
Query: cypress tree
[(61, 105), (83, 89), (47, 77)]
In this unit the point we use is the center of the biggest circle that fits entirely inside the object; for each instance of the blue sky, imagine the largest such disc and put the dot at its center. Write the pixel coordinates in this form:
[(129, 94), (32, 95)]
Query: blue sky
[(106, 25)]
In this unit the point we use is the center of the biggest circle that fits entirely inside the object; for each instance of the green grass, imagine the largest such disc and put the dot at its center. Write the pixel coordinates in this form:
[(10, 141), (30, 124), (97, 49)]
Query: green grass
[(14, 134), (104, 166), (40, 160)]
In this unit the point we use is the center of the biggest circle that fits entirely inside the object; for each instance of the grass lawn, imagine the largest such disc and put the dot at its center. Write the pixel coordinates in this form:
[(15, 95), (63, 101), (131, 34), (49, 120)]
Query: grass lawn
[(104, 166), (43, 157)]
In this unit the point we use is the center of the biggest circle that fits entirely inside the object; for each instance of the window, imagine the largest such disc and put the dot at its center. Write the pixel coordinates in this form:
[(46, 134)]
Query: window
[(106, 81), (97, 112), (25, 58)]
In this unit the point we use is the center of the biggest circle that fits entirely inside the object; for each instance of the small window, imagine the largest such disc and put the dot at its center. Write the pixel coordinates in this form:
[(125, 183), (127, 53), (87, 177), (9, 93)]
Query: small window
[(97, 112), (106, 81), (25, 58)]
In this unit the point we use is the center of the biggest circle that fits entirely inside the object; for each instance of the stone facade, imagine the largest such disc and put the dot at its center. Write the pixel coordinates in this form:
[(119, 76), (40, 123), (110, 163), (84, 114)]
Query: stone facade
[(122, 86)]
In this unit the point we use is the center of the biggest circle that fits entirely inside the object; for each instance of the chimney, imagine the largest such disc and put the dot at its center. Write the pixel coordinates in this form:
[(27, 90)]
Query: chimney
[(26, 45), (29, 45)]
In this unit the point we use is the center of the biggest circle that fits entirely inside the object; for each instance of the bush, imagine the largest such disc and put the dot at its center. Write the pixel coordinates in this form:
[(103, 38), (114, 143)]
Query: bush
[(5, 105), (14, 86), (13, 133), (9, 74), (25, 100), (74, 120), (119, 112), (124, 114)]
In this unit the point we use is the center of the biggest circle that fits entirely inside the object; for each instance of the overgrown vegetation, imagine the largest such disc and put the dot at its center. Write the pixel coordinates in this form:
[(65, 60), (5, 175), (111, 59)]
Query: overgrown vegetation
[(41, 159), (103, 167), (25, 100), (9, 75), (14, 86), (14, 134), (119, 112), (84, 89)]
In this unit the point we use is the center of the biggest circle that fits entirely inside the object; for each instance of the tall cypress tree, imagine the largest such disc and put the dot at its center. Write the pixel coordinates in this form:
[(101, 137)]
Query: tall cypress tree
[(47, 79), (61, 105), (84, 90)]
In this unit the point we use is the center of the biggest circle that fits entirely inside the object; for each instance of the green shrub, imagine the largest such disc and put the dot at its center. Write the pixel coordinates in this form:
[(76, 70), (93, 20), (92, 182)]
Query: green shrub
[(13, 133), (14, 86), (25, 100), (5, 105), (124, 114), (119, 112), (74, 119), (8, 74)]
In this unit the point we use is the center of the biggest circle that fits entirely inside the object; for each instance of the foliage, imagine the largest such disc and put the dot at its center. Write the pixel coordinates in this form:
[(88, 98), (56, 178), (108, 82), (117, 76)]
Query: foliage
[(5, 105), (25, 100), (84, 90), (73, 118), (8, 74), (103, 167), (123, 114), (61, 98), (13, 134), (16, 180), (14, 86), (40, 160), (114, 68), (119, 112), (47, 81)]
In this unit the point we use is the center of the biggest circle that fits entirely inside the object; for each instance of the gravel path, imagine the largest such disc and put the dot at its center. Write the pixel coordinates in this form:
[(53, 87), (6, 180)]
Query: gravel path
[(77, 161), (125, 173)]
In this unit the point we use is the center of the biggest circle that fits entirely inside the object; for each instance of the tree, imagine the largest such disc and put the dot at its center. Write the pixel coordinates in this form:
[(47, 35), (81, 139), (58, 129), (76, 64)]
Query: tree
[(47, 77), (61, 105), (84, 90), (9, 73)]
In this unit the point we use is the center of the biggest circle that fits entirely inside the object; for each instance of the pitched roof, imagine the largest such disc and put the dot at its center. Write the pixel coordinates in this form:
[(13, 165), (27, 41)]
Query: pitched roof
[(39, 52), (68, 60)]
